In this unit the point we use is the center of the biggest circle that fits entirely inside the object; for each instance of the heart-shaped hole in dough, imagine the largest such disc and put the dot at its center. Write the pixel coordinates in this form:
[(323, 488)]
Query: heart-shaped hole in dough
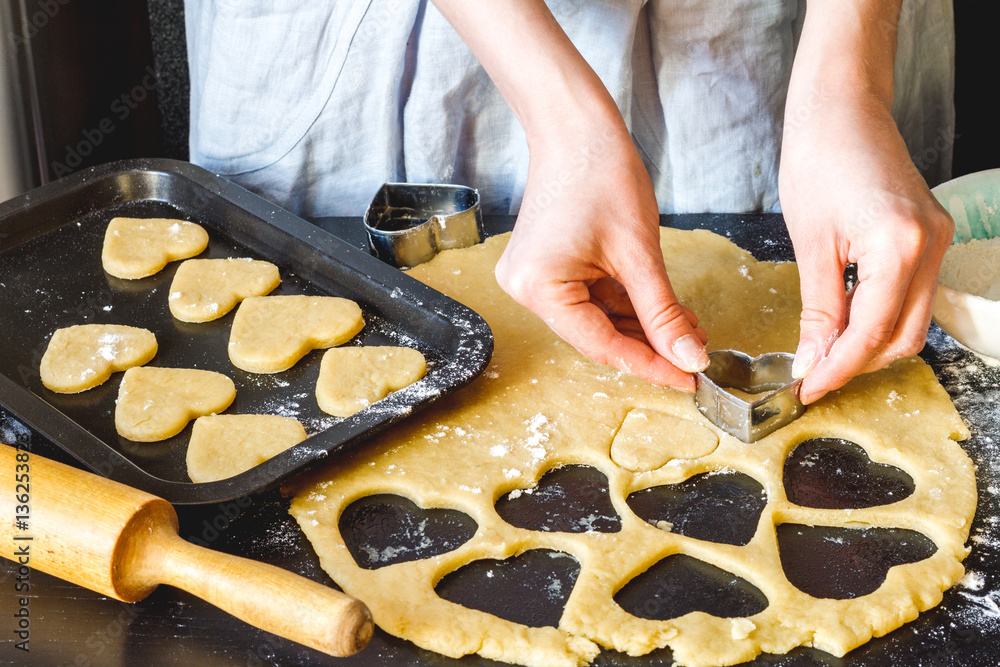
[(680, 584), (570, 499), (845, 563), (830, 473), (530, 589), (722, 507), (157, 403), (384, 529)]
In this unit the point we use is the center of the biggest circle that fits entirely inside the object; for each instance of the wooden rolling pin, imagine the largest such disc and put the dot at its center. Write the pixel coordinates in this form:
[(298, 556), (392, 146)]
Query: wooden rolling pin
[(123, 543)]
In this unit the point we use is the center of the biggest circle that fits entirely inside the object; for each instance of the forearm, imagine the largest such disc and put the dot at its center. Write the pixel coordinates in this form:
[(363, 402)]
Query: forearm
[(847, 48), (533, 63)]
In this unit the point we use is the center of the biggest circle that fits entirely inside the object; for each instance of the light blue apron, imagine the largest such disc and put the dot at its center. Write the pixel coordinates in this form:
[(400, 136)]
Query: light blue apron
[(315, 103)]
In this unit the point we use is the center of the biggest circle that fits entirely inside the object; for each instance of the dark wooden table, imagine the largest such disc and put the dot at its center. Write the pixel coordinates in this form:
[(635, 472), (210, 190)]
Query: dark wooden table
[(73, 626)]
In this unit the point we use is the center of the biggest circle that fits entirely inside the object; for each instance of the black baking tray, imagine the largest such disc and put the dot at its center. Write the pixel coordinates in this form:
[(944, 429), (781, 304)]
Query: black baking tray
[(51, 277)]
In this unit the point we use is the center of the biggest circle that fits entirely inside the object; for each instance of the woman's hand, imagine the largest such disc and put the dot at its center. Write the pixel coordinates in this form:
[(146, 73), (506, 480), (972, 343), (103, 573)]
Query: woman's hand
[(585, 256), (851, 194), (585, 252)]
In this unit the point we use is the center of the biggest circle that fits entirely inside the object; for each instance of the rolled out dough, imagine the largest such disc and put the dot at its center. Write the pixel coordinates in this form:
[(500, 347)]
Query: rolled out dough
[(541, 405)]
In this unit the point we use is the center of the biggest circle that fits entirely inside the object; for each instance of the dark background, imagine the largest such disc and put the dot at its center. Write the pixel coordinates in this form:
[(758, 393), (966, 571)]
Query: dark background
[(86, 55)]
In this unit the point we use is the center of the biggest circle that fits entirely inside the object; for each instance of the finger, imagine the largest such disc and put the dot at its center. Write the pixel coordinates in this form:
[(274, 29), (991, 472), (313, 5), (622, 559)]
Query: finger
[(631, 327), (824, 306), (666, 322), (571, 315), (910, 333), (610, 296), (875, 311)]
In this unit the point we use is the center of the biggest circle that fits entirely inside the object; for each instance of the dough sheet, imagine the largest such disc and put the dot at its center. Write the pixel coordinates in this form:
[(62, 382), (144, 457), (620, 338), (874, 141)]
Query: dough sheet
[(541, 405)]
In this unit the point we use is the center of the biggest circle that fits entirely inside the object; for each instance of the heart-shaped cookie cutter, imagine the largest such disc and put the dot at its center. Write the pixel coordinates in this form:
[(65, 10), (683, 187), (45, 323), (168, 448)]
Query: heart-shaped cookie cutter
[(749, 420), (409, 223)]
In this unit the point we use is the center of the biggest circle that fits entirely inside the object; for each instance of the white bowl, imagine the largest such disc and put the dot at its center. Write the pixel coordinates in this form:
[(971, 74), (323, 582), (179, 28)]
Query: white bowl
[(974, 202)]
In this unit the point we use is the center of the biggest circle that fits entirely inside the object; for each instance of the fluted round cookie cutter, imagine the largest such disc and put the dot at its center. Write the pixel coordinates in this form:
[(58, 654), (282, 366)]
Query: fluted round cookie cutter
[(409, 223), (749, 420)]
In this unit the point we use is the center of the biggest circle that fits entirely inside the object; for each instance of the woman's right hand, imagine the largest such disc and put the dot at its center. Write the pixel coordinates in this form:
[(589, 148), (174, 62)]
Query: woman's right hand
[(585, 255)]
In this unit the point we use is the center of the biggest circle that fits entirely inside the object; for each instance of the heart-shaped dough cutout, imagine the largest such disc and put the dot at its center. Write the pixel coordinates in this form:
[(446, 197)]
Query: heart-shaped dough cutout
[(139, 247), (351, 379), (83, 356), (206, 289), (157, 403), (649, 439), (223, 446), (271, 333)]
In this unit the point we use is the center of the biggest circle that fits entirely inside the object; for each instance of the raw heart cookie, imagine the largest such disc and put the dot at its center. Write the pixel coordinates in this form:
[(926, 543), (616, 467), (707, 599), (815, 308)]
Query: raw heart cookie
[(638, 445), (83, 356), (225, 445), (139, 247), (157, 403), (351, 379), (206, 289), (271, 333)]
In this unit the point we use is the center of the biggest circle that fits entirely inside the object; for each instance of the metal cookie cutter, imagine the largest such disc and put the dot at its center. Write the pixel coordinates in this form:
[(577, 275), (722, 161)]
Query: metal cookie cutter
[(409, 223), (749, 421)]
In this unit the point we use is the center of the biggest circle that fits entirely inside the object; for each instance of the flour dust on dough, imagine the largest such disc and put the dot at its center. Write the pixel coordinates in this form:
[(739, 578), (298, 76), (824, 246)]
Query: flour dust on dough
[(223, 446), (139, 247), (206, 289), (84, 356), (541, 405)]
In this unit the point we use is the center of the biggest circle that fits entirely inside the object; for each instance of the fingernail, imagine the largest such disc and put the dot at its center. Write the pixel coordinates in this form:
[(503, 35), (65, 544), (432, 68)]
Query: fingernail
[(804, 358), (691, 353)]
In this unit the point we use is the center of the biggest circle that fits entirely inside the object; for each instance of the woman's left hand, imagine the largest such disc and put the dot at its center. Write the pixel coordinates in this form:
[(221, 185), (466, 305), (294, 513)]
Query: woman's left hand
[(851, 194)]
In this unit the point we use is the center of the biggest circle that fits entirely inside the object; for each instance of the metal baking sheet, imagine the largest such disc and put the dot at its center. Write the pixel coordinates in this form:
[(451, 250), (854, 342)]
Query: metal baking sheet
[(51, 277)]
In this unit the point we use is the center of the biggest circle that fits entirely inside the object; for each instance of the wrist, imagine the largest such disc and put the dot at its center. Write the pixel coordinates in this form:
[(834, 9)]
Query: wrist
[(846, 52)]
